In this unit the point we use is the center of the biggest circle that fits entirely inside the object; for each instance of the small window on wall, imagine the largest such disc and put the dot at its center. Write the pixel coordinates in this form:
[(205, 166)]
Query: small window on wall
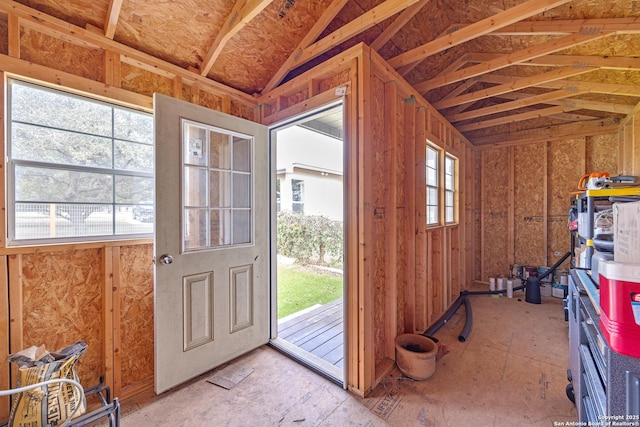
[(449, 188), (297, 196), (79, 169), (432, 186)]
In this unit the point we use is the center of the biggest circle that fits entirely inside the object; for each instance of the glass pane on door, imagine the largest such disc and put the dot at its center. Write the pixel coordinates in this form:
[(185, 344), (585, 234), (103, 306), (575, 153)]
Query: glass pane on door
[(217, 185)]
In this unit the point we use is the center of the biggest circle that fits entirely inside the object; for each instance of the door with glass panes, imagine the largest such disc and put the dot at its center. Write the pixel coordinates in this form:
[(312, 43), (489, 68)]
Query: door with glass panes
[(211, 239)]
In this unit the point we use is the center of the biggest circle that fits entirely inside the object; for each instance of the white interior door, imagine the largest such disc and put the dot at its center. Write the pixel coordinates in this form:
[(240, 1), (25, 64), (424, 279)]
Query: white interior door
[(211, 239)]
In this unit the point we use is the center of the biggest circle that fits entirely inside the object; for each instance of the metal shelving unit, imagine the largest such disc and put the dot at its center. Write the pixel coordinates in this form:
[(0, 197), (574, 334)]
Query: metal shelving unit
[(586, 204)]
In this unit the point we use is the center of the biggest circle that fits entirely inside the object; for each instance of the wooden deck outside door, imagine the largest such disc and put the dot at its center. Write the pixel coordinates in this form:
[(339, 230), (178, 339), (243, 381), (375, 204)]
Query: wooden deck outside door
[(211, 239)]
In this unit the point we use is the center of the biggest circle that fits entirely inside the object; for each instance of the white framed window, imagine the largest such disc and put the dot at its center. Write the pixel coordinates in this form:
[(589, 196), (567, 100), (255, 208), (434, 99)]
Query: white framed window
[(297, 195), (79, 169), (450, 189), (432, 173)]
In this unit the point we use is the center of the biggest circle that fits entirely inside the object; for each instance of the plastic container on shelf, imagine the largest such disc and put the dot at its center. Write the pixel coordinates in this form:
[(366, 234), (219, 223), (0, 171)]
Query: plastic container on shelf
[(620, 306)]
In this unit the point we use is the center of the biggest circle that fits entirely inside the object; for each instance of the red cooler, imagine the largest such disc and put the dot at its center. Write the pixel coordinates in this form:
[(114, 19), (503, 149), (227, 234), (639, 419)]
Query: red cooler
[(620, 306)]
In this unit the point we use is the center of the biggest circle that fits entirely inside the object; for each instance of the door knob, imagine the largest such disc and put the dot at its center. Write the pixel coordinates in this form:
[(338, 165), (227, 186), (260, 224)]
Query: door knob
[(166, 259)]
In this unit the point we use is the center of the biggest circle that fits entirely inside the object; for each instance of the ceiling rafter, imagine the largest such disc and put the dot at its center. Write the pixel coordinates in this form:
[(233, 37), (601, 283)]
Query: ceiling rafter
[(397, 24), (595, 87), (513, 105), (243, 12), (329, 14), (567, 26), (113, 14), (535, 114), (605, 62), (551, 133), (365, 21), (583, 104), (477, 29), (511, 84), (504, 61)]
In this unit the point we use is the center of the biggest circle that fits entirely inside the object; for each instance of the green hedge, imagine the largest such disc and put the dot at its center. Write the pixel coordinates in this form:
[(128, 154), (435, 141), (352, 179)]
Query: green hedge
[(310, 239)]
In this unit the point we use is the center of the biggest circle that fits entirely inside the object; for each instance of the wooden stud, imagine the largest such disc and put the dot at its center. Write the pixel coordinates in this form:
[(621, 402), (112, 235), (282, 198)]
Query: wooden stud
[(109, 316), (511, 229), (353, 231), (410, 258), (16, 316), (5, 383), (176, 89), (420, 219), (13, 35), (116, 326), (545, 202), (366, 297), (391, 258)]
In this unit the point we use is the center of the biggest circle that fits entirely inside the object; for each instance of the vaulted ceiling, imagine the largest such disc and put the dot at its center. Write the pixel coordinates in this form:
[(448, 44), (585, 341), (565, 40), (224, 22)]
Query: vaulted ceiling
[(491, 67)]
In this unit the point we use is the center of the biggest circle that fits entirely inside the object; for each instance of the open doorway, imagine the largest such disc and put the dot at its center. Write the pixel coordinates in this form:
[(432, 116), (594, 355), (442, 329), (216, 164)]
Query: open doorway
[(308, 240)]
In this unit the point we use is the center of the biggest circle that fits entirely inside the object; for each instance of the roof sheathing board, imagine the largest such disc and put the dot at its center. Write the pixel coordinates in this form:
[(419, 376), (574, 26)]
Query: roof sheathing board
[(252, 56), (76, 12), (177, 32)]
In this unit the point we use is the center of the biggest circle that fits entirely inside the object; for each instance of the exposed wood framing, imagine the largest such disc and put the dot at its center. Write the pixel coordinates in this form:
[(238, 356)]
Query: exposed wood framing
[(327, 16), (509, 60), (5, 383), (14, 36), (113, 13), (357, 26), (83, 37), (486, 26), (507, 106), (512, 84), (550, 133), (243, 11), (580, 103), (536, 113), (397, 24)]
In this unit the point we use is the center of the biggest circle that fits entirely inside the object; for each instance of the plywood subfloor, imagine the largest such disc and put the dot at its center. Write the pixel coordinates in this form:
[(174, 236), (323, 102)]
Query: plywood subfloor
[(510, 371)]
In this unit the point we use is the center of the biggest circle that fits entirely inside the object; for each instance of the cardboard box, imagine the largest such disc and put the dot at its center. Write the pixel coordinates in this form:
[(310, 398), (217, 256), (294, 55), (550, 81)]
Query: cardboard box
[(626, 240)]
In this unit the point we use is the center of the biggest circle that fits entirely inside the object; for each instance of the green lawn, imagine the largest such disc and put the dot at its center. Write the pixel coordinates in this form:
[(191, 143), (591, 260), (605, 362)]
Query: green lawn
[(299, 288)]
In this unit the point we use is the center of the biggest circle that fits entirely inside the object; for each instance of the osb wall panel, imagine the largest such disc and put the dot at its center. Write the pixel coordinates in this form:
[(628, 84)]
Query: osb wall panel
[(142, 81), (136, 313), (63, 303), (635, 146), (435, 282), (529, 208), (602, 154), (210, 100), (242, 110), (378, 199), (4, 39), (495, 163), (54, 53), (565, 167), (333, 81), (477, 218), (453, 243)]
